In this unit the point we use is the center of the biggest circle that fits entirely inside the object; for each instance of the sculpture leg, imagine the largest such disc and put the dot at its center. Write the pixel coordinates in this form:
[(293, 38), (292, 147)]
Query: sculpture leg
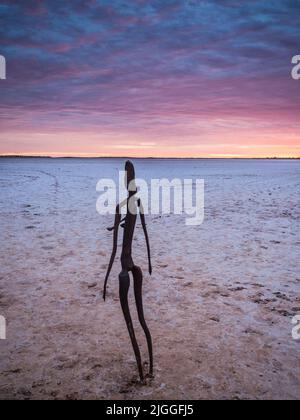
[(138, 285), (124, 288)]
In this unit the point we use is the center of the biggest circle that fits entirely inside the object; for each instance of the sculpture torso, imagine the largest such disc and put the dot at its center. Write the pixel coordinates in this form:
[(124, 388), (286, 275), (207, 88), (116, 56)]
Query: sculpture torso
[(129, 227), (126, 256)]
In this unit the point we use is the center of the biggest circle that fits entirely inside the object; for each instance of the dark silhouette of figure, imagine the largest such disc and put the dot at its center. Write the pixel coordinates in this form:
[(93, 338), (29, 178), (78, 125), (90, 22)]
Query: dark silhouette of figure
[(133, 205)]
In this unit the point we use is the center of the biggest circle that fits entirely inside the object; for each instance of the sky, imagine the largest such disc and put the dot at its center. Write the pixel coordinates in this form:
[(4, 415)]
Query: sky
[(161, 78)]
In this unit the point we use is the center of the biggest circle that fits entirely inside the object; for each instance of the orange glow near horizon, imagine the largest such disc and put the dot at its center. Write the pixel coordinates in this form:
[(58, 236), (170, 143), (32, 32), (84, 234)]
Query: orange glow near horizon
[(251, 153), (247, 144)]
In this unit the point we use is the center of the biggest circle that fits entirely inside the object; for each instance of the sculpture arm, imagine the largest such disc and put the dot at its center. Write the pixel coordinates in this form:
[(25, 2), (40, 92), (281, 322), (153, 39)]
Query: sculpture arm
[(115, 246), (110, 229), (120, 206), (143, 221)]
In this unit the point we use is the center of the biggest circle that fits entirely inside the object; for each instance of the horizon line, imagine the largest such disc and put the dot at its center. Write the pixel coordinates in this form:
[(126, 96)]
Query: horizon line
[(24, 156)]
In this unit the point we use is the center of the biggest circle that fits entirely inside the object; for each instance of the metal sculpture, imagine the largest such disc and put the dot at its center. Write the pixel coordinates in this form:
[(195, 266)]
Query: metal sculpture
[(133, 206)]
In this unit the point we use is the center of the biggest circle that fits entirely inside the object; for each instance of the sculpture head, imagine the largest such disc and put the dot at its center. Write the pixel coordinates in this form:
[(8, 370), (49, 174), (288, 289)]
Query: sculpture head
[(130, 177)]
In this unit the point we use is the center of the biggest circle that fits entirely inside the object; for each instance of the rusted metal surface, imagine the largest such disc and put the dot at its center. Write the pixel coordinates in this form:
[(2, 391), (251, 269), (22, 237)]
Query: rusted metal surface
[(134, 207)]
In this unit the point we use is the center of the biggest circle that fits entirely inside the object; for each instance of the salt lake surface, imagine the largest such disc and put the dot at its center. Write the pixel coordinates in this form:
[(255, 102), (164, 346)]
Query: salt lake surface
[(219, 304)]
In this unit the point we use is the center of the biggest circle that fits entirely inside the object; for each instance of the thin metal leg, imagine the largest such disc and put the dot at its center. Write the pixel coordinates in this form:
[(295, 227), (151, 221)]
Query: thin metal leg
[(124, 288), (138, 285)]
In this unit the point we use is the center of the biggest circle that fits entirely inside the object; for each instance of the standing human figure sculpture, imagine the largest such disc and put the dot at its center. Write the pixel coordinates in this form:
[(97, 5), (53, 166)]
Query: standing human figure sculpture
[(133, 206)]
